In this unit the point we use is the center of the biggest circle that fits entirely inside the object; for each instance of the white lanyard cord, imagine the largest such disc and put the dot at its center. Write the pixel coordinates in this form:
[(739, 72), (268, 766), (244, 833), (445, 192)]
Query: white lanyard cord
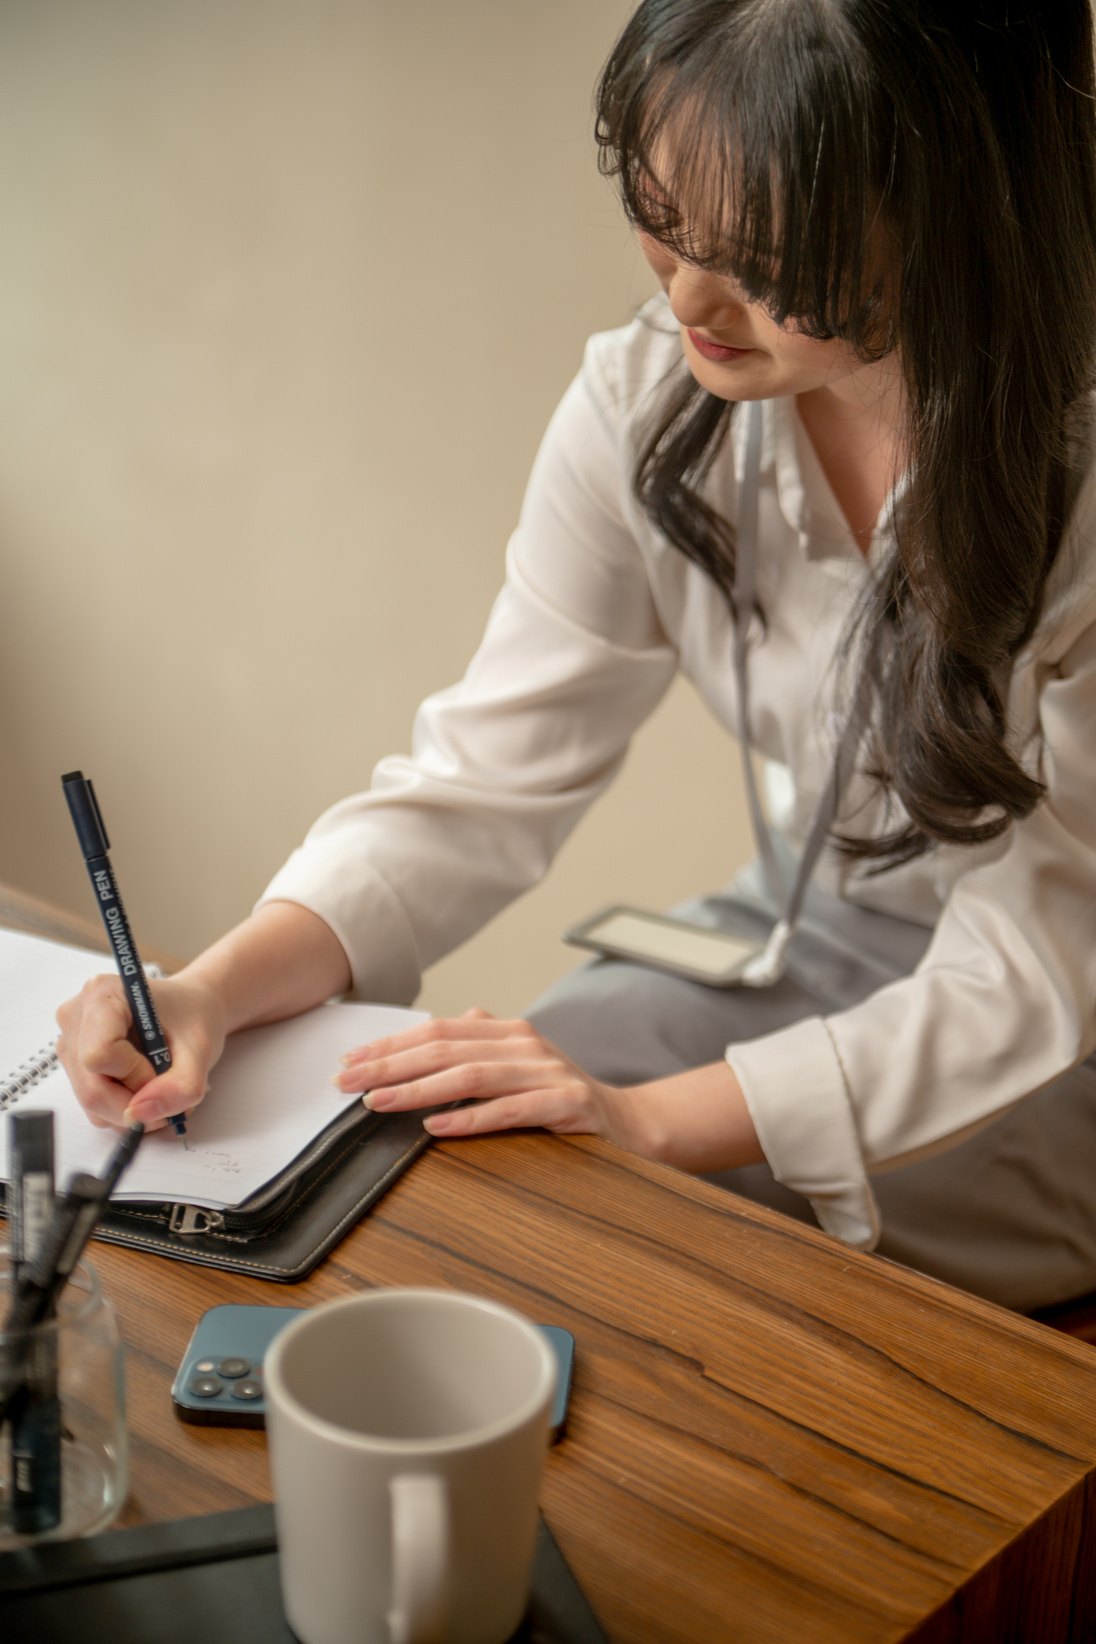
[(768, 966)]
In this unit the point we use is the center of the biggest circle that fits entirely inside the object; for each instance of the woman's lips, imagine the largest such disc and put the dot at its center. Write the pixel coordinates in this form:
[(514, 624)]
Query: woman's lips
[(718, 352)]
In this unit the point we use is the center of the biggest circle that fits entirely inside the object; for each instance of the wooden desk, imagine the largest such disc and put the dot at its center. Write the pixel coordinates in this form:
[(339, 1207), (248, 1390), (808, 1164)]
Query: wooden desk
[(772, 1437)]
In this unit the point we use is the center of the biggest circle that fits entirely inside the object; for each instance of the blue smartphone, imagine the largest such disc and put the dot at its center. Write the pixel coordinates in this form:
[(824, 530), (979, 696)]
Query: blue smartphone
[(220, 1379)]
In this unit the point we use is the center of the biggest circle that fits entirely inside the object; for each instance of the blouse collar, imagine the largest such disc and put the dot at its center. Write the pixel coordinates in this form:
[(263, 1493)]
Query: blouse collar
[(805, 495)]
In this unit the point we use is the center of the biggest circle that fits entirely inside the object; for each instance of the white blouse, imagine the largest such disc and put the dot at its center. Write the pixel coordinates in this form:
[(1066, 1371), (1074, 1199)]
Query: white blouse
[(596, 615)]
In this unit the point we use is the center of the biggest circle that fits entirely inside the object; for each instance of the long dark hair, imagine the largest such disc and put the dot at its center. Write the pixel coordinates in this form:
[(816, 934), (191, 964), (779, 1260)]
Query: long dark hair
[(777, 140)]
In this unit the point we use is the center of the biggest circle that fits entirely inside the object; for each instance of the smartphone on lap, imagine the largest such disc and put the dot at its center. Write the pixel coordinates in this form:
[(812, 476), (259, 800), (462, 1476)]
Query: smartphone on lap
[(715, 957)]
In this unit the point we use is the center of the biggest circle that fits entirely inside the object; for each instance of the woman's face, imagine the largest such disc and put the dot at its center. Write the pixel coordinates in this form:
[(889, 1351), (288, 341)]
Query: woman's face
[(735, 349)]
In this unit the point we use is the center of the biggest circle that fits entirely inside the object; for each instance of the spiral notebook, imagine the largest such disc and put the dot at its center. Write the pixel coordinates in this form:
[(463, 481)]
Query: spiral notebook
[(270, 1095)]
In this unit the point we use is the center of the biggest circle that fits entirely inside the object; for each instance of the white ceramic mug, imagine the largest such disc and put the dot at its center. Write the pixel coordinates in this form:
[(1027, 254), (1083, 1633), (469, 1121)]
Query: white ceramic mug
[(408, 1430)]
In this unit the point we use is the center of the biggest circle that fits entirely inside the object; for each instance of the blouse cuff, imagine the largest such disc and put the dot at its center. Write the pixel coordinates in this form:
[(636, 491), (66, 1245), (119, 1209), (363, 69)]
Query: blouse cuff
[(329, 877), (799, 1102)]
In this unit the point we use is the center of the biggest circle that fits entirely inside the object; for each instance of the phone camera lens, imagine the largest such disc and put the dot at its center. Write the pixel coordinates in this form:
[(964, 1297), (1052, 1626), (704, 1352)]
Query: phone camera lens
[(249, 1389), (234, 1367), (206, 1387)]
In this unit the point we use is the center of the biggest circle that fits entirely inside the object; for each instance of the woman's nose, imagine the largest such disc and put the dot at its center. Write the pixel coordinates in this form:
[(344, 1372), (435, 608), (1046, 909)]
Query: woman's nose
[(701, 299)]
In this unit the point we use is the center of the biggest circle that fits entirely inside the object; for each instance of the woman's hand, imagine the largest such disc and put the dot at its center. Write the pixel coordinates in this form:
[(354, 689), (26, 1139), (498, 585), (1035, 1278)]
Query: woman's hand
[(115, 1083), (697, 1121), (280, 961), (518, 1078)]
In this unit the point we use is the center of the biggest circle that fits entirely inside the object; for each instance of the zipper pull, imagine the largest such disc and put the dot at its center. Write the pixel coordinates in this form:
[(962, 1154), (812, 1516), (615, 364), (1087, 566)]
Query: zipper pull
[(192, 1218)]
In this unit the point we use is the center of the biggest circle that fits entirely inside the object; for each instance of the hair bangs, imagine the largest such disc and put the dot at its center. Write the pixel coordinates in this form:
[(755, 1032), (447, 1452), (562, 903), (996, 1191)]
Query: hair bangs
[(745, 138), (915, 176)]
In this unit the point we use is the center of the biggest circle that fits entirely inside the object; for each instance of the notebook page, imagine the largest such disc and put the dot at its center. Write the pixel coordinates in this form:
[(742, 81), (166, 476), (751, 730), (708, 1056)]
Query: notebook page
[(35, 977), (270, 1095)]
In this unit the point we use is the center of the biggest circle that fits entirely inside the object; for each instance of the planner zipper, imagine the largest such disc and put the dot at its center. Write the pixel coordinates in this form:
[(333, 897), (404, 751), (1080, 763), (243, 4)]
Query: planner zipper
[(194, 1218)]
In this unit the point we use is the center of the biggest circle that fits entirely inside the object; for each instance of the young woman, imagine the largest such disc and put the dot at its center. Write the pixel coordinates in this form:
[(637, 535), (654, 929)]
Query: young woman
[(874, 223)]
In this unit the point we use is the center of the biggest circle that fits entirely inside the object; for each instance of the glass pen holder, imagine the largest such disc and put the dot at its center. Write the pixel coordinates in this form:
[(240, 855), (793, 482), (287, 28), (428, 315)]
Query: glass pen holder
[(63, 1450)]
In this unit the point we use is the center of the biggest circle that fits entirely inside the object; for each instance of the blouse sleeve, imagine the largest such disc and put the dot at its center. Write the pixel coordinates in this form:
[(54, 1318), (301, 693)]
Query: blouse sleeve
[(1003, 1001), (503, 764)]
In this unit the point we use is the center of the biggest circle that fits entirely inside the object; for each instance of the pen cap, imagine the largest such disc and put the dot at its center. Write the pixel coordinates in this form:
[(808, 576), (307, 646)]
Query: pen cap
[(86, 818), (30, 1133), (30, 1188), (83, 1188)]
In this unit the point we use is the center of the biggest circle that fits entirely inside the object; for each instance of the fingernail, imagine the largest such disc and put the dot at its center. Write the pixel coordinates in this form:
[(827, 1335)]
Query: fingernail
[(145, 1112), (376, 1100), (439, 1125)]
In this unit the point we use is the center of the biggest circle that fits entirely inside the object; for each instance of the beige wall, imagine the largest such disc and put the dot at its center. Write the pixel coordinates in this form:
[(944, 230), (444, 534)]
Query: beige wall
[(289, 290)]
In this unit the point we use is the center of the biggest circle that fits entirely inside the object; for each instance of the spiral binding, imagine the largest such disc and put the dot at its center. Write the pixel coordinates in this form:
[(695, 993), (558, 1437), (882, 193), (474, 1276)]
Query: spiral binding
[(26, 1075)]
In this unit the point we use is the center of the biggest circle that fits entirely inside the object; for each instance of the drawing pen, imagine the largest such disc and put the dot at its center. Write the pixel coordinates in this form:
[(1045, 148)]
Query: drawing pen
[(35, 1454), (88, 822)]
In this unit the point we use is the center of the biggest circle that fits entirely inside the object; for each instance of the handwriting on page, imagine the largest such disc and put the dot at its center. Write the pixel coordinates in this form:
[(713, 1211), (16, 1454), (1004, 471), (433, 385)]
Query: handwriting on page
[(217, 1162)]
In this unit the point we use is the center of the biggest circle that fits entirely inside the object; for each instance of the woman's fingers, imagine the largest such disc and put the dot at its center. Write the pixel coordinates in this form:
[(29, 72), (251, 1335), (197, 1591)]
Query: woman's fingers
[(544, 1109), (515, 1078), (428, 1061), (104, 1068), (113, 1081), (474, 1024), (94, 1026), (432, 1047), (166, 1094), (468, 1079)]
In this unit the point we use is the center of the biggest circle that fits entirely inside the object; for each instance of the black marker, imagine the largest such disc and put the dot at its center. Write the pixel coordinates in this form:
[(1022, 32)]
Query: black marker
[(41, 1282), (121, 1156), (35, 1454), (71, 1226), (88, 822), (30, 1208)]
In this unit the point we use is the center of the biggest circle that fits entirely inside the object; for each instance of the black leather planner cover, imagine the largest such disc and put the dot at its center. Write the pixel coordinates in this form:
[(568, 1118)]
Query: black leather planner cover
[(284, 1230), (211, 1580)]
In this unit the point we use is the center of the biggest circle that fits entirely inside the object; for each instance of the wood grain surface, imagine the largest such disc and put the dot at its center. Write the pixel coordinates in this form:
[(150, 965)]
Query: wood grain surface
[(22, 912), (771, 1437)]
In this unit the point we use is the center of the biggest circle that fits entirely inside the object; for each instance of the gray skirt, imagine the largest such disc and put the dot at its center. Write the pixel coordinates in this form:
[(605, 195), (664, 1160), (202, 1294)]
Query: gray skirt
[(1009, 1214)]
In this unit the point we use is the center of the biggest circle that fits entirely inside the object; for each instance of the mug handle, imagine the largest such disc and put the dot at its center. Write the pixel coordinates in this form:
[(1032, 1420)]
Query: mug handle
[(420, 1558)]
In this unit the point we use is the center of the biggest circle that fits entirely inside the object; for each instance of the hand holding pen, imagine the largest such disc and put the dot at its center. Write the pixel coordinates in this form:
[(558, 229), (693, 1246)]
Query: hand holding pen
[(92, 834)]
